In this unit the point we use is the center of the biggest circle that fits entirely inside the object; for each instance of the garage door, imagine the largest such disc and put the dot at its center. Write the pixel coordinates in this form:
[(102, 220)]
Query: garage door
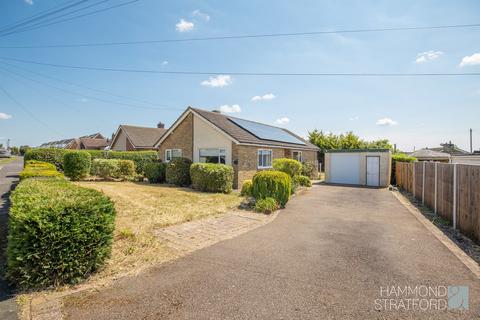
[(345, 168)]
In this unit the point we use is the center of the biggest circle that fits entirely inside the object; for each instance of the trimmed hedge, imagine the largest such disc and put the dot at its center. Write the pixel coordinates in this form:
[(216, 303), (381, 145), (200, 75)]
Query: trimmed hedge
[(274, 184), (35, 168), (310, 169), (104, 168), (289, 166), (246, 188), (212, 177), (55, 156), (59, 233), (302, 181), (399, 157), (155, 172), (77, 164), (178, 172), (126, 168), (267, 205)]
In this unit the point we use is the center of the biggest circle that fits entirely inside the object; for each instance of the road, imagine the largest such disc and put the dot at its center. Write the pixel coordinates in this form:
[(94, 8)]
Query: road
[(8, 178), (329, 255)]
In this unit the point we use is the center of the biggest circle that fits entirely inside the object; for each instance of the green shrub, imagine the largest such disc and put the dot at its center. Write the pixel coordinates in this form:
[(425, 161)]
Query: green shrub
[(155, 172), (58, 233), (212, 177), (178, 172), (246, 188), (14, 151), (399, 157), (50, 155), (39, 164), (76, 164), (267, 205), (140, 158), (126, 169), (289, 166), (310, 169), (302, 181), (274, 184), (104, 168), (35, 168), (23, 149)]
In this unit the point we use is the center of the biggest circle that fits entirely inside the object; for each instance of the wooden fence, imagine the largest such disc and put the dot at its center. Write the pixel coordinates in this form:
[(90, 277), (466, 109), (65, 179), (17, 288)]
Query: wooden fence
[(451, 190)]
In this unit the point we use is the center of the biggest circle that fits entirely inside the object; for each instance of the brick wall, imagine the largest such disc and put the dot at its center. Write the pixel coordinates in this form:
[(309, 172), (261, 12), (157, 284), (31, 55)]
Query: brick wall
[(180, 138)]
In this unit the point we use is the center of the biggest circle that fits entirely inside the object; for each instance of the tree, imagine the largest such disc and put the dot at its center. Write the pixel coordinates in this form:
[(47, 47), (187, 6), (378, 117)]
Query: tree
[(346, 140)]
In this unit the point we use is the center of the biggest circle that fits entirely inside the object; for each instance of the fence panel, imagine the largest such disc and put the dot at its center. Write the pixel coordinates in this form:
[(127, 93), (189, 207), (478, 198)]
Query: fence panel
[(418, 180), (429, 184), (445, 191), (468, 200)]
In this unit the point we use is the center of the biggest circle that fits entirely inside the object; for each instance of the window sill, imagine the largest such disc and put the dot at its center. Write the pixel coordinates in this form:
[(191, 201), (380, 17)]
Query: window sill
[(265, 167)]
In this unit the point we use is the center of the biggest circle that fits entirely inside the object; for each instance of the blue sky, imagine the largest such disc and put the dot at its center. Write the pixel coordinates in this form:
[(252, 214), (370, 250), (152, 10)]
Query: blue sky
[(412, 112)]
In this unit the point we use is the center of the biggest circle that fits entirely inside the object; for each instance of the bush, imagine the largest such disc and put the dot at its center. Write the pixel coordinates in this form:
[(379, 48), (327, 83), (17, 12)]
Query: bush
[(35, 168), (267, 205), (399, 157), (15, 151), (104, 168), (302, 181), (23, 149), (212, 177), (50, 155), (274, 184), (58, 233), (310, 169), (155, 172), (246, 188), (126, 169), (178, 172), (289, 166), (76, 164), (140, 158)]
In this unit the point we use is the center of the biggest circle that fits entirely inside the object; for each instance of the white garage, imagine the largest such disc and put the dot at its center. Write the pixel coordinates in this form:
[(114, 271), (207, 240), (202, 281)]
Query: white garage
[(363, 167)]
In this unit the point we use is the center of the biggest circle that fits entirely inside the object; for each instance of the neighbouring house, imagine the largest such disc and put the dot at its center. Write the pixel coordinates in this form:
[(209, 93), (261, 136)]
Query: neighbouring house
[(249, 146), (135, 138), (450, 148), (94, 141), (430, 155)]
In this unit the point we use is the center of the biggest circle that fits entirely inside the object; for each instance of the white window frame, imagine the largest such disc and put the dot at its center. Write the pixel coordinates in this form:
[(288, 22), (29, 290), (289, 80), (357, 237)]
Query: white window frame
[(221, 152), (300, 153), (261, 151), (170, 151)]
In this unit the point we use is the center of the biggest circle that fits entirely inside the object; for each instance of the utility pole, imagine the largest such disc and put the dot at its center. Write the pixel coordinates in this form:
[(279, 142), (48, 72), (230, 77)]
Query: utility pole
[(8, 144), (471, 145)]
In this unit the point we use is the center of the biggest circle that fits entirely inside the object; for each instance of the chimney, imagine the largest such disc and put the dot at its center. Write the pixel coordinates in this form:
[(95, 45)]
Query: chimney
[(160, 125)]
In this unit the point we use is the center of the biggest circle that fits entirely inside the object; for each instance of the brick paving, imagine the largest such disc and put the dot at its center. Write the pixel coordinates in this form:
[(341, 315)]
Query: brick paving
[(190, 236)]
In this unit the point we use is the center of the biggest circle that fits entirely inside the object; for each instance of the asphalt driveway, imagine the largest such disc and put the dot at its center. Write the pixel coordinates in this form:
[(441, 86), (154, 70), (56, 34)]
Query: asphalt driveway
[(326, 256)]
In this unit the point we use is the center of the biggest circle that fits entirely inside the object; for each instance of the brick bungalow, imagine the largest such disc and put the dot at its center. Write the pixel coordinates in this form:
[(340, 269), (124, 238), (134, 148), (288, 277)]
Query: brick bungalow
[(204, 136), (135, 138)]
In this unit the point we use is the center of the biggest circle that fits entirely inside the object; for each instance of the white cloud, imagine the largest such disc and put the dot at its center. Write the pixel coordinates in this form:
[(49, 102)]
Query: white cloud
[(353, 118), (4, 116), (386, 122), (268, 96), (184, 26), (234, 108), (198, 13), (283, 120), (29, 2), (428, 56), (218, 81), (472, 60), (164, 62)]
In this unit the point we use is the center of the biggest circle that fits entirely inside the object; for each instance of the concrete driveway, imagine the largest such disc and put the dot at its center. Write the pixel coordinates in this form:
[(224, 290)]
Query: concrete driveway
[(326, 256)]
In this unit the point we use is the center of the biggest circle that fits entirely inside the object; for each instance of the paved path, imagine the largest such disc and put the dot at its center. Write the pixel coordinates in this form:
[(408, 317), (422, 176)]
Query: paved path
[(326, 256), (8, 178)]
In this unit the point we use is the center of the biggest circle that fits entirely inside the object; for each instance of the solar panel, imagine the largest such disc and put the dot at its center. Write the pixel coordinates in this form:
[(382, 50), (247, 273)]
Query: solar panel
[(266, 132)]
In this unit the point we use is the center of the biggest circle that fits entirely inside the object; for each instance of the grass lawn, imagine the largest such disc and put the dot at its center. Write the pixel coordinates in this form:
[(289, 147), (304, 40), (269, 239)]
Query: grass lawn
[(143, 208)]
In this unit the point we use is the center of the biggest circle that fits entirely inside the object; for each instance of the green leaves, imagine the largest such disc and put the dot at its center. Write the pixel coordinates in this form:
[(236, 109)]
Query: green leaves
[(212, 177), (344, 141), (274, 184)]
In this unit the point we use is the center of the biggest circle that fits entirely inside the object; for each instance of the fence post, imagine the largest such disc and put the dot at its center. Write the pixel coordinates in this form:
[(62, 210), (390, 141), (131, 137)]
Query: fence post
[(454, 214), (423, 183), (413, 178), (435, 206)]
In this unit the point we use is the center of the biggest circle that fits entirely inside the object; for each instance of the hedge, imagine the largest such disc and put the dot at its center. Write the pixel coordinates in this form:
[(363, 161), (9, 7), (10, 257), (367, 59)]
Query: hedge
[(155, 172), (246, 188), (77, 164), (274, 184), (302, 181), (35, 168), (267, 205), (55, 156), (310, 169), (289, 166), (212, 177), (178, 172), (399, 157), (59, 233)]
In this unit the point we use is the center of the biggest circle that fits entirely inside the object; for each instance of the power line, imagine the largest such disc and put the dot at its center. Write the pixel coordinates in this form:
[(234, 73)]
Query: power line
[(73, 18), (251, 36), (261, 74)]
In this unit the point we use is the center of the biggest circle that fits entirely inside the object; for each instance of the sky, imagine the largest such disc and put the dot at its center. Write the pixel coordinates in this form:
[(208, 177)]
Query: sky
[(412, 112)]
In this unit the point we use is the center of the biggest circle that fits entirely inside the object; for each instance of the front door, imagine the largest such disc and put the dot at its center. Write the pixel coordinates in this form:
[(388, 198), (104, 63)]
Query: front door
[(373, 171)]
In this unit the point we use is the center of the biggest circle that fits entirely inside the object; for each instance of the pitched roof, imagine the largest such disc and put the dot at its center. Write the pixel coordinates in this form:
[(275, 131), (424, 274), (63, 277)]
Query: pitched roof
[(142, 137), (94, 142), (227, 125), (429, 154)]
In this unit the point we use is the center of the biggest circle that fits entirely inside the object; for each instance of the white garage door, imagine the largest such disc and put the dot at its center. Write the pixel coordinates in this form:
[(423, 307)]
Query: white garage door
[(345, 168)]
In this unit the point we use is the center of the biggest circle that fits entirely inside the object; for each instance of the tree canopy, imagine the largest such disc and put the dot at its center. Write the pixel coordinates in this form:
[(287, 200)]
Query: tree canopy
[(346, 140)]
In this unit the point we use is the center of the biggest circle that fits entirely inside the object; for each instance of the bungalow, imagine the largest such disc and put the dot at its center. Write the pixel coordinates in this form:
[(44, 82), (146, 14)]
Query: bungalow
[(204, 136), (91, 142), (134, 138)]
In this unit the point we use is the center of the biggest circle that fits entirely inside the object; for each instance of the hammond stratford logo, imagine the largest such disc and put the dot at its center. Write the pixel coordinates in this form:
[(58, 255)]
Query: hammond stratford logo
[(422, 298)]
